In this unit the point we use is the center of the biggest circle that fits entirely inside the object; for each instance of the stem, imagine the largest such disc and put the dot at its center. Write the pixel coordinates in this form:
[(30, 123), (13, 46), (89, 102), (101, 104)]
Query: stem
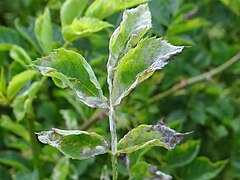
[(112, 124), (204, 76), (66, 44)]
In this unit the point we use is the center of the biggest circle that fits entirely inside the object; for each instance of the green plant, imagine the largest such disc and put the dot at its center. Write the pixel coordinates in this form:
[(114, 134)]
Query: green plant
[(132, 59)]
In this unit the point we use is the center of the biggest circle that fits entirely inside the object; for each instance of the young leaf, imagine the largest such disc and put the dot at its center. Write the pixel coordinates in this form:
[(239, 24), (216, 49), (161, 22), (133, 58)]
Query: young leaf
[(201, 169), (19, 55), (61, 169), (104, 8), (149, 135), (75, 144), (83, 27), (183, 154), (3, 87), (18, 81), (139, 64), (134, 25), (72, 9), (73, 70), (43, 31)]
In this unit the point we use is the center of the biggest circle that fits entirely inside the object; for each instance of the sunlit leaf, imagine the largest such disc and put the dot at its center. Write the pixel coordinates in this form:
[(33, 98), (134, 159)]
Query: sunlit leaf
[(234, 5), (43, 31), (149, 135), (20, 55), (201, 169), (74, 71), (72, 9), (61, 169), (18, 81), (75, 144), (83, 27), (3, 86), (104, 8)]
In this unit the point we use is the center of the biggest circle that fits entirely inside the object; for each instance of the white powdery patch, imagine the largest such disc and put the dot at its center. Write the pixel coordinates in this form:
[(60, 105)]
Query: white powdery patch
[(47, 137), (91, 152)]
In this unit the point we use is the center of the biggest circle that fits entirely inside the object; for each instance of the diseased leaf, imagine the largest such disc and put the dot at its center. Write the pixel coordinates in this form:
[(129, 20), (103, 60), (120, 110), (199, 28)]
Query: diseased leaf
[(19, 55), (43, 31), (75, 144), (143, 170), (61, 169), (149, 135), (83, 27), (201, 169), (104, 8), (72, 9), (16, 128), (18, 81), (134, 25), (139, 64), (73, 70), (183, 154)]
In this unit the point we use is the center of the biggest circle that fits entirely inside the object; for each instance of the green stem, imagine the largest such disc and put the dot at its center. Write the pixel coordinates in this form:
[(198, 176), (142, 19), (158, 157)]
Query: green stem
[(195, 79), (112, 124)]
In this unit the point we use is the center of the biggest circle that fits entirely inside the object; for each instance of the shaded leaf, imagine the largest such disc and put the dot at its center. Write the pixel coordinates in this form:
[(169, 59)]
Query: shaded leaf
[(70, 118), (43, 31), (149, 135), (182, 154), (3, 86), (104, 8), (73, 70), (19, 55), (134, 25), (201, 169), (18, 81), (61, 169), (75, 144), (83, 27), (72, 9), (139, 64), (234, 5)]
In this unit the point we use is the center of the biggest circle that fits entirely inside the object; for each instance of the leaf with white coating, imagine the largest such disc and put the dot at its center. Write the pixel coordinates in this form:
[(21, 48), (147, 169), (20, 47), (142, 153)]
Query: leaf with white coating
[(149, 135), (72, 70), (75, 144), (140, 63)]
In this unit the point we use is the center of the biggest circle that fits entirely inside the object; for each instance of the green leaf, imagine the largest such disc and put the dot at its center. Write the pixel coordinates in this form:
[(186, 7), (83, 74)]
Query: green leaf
[(61, 169), (72, 9), (18, 81), (83, 27), (43, 31), (201, 169), (149, 135), (75, 144), (234, 5), (134, 25), (22, 104), (104, 8), (182, 154), (8, 38), (16, 128), (19, 55), (3, 87), (70, 118), (140, 63), (74, 71)]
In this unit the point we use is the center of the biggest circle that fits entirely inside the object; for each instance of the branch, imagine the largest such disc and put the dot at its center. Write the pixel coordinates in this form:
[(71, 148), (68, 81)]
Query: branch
[(204, 76)]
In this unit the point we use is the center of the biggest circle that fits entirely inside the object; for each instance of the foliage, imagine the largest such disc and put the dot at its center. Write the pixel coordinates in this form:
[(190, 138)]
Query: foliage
[(57, 31)]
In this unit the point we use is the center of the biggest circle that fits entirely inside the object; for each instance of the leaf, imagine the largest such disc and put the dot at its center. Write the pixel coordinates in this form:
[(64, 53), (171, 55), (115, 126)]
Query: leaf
[(143, 170), (22, 104), (61, 169), (16, 128), (8, 38), (201, 169), (149, 135), (104, 8), (134, 25), (19, 55), (234, 5), (182, 154), (75, 144), (3, 87), (83, 27), (43, 31), (70, 118), (74, 71), (72, 9), (18, 81), (139, 64)]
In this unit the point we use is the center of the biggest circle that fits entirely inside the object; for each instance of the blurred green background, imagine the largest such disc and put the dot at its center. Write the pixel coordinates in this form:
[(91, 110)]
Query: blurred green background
[(210, 108)]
